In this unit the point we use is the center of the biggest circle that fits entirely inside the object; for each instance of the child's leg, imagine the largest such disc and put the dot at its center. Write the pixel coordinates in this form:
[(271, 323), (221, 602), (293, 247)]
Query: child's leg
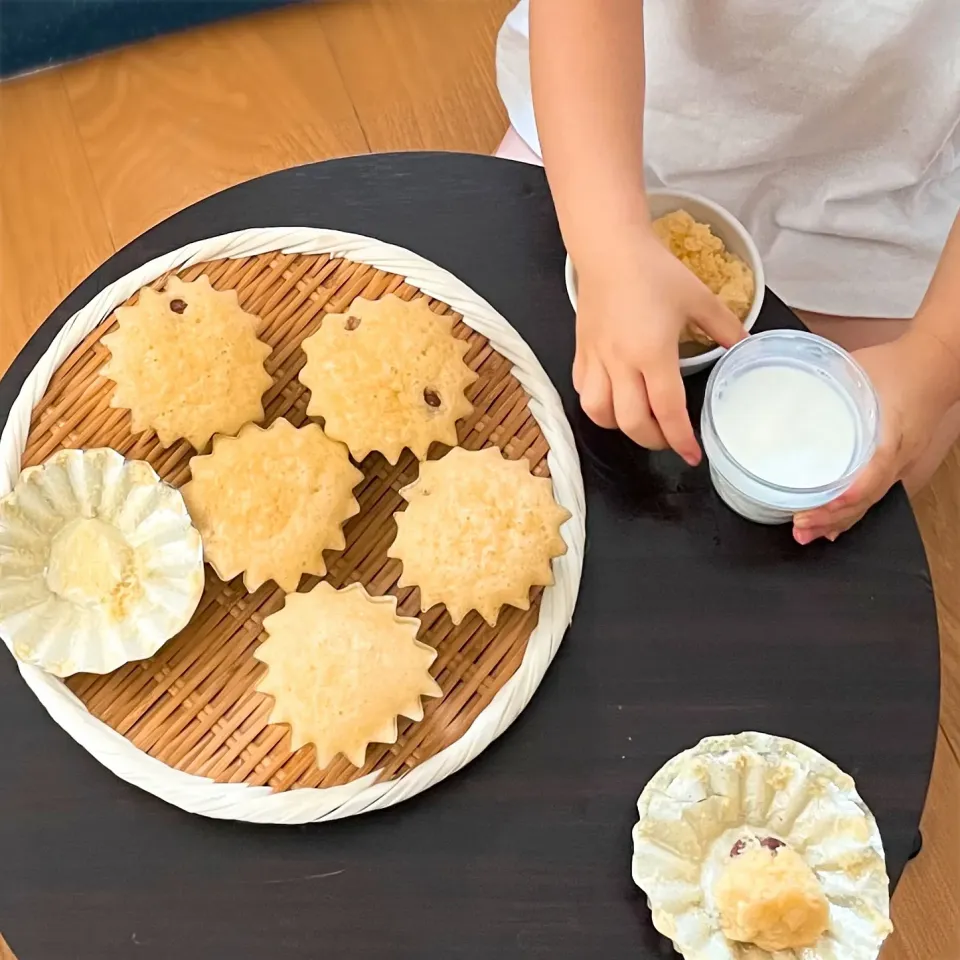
[(513, 147), (855, 333)]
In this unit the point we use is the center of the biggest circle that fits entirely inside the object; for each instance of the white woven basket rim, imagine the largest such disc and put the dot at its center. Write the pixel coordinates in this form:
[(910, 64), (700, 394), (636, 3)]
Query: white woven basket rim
[(241, 801)]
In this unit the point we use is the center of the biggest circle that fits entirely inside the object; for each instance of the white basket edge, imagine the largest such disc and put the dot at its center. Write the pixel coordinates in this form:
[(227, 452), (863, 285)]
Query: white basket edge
[(259, 804)]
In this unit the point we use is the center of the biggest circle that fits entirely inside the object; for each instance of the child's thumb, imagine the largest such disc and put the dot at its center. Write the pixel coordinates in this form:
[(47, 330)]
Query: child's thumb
[(719, 322)]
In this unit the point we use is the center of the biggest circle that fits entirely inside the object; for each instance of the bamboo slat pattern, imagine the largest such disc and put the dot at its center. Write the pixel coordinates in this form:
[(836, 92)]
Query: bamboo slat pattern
[(194, 705)]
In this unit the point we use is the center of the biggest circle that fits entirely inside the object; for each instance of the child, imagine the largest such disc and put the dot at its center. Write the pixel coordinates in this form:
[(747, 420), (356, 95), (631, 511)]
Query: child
[(831, 128)]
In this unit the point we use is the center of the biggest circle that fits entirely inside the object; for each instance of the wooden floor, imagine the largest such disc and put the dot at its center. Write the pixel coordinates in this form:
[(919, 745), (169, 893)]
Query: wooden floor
[(94, 153)]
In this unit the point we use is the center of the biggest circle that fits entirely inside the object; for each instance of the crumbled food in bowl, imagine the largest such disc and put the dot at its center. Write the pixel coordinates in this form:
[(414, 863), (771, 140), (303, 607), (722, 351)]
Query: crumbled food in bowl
[(704, 254)]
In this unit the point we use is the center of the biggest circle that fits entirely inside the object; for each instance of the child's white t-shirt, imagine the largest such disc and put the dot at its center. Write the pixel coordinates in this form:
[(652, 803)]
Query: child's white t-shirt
[(831, 128)]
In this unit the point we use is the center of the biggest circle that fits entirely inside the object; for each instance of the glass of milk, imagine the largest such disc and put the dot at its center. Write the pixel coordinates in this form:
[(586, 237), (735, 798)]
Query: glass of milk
[(788, 420)]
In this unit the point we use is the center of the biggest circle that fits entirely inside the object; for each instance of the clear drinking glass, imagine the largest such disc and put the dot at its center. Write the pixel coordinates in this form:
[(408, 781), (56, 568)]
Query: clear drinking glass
[(751, 496)]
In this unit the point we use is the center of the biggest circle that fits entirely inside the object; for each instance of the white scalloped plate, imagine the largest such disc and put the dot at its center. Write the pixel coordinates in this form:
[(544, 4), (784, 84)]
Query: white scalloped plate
[(260, 804)]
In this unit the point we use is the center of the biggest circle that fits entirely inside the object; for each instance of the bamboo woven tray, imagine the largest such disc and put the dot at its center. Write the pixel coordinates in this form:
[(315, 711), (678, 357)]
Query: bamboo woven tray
[(194, 706)]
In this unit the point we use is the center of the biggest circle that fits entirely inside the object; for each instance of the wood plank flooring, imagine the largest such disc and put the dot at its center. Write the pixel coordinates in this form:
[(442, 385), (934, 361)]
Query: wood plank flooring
[(53, 231), (94, 153)]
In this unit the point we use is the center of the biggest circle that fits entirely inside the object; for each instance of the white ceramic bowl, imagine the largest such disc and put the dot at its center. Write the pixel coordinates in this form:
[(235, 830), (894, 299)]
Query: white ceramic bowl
[(728, 228)]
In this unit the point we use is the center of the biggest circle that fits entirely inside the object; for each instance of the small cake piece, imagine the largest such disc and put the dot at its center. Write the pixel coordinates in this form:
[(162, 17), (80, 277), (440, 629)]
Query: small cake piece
[(342, 667), (187, 362), (269, 502), (753, 845), (99, 563), (768, 896), (479, 532), (387, 374), (703, 253)]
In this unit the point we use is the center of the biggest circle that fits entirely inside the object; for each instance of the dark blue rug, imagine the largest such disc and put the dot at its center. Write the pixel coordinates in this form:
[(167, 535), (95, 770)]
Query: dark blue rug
[(38, 33)]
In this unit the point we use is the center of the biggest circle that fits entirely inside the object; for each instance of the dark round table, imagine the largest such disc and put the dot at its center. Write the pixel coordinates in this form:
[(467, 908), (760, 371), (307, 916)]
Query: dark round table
[(690, 622)]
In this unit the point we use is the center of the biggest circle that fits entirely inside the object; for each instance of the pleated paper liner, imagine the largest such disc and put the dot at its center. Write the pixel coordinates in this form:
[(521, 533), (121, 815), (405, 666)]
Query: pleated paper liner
[(194, 705)]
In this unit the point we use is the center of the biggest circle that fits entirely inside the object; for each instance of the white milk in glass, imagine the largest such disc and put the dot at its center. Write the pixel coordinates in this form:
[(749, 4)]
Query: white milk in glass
[(787, 426), (788, 419)]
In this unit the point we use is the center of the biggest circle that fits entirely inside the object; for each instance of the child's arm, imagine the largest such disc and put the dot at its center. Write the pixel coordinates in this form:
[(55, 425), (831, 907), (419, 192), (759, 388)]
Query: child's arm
[(939, 314), (634, 297), (587, 70), (917, 378)]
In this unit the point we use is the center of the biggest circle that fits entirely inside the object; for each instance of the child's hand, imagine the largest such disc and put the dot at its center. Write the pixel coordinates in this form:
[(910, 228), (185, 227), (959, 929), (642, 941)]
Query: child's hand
[(915, 378), (633, 303)]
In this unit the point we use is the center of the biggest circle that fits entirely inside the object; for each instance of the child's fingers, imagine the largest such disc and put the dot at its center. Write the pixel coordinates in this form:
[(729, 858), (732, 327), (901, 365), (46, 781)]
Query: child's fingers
[(596, 395), (805, 535), (579, 366), (718, 322), (869, 487), (668, 401), (632, 408)]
